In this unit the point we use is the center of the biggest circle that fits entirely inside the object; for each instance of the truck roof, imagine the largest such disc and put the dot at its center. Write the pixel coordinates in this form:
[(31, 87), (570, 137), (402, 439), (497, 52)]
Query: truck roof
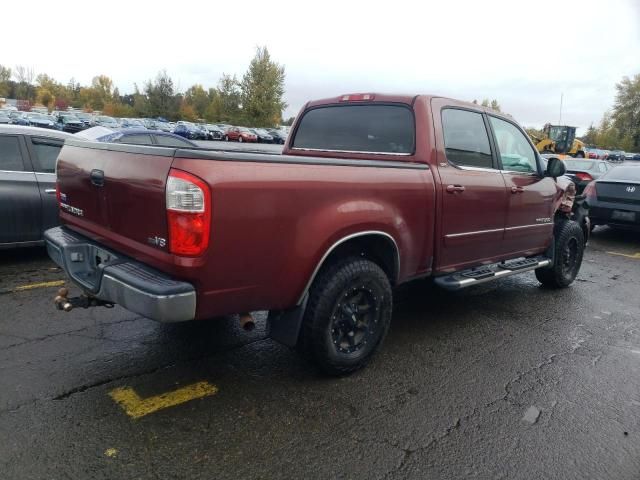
[(408, 99)]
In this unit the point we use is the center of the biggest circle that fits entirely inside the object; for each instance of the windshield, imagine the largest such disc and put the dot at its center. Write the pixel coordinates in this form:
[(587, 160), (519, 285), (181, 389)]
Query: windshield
[(558, 134), (37, 116), (624, 174), (246, 130), (106, 119)]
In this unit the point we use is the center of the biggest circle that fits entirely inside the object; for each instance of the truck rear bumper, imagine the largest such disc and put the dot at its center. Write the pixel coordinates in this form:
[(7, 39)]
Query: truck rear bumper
[(114, 278)]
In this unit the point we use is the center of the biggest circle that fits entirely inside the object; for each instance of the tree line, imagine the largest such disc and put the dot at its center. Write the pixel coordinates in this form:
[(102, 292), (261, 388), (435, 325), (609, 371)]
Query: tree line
[(256, 99), (619, 128)]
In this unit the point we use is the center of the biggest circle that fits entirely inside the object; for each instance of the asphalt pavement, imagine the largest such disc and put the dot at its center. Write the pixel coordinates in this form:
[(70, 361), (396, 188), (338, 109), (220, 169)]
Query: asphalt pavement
[(503, 380)]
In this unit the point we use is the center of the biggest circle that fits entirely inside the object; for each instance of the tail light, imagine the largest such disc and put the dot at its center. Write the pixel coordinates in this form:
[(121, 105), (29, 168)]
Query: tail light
[(585, 177), (188, 201), (590, 190)]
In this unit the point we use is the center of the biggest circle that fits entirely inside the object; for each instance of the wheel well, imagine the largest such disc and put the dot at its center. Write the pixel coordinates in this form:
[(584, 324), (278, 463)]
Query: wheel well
[(376, 247)]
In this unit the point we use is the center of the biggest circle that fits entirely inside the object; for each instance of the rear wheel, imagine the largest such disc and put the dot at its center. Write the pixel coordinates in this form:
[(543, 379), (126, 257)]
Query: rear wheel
[(240, 139), (569, 249), (347, 316), (226, 138)]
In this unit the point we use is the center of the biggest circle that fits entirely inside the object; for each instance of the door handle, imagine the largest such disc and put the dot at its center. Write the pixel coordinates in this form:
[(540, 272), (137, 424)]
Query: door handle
[(454, 188), (97, 178), (50, 191), (515, 189)]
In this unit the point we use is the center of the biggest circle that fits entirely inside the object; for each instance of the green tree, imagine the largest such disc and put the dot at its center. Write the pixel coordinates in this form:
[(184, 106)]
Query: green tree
[(262, 90), (161, 98), (5, 78), (198, 98), (228, 101), (626, 110)]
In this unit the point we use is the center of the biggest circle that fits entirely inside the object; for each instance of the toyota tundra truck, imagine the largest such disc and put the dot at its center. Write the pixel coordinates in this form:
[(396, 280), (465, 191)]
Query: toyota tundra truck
[(370, 191)]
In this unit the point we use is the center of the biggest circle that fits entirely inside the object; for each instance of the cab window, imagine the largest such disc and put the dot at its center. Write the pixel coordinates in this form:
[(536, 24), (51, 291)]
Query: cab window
[(46, 154), (514, 150), (10, 154), (465, 138)]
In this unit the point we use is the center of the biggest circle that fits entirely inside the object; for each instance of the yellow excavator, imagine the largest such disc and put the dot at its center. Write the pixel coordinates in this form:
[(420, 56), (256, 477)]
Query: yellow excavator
[(560, 139)]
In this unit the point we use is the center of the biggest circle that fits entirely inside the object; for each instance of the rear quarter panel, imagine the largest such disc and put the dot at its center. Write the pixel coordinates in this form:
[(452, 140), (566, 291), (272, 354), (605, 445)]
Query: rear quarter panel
[(272, 223)]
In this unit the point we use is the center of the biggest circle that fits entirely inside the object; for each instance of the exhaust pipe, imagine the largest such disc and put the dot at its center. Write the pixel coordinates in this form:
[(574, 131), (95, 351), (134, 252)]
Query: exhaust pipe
[(246, 322)]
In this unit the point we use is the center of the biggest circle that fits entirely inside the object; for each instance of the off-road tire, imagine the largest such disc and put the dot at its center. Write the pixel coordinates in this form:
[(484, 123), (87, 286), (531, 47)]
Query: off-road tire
[(569, 250), (334, 285)]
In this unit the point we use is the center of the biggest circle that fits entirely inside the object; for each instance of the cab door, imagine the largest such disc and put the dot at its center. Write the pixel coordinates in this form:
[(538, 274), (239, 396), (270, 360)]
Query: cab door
[(472, 191), (20, 206), (529, 224)]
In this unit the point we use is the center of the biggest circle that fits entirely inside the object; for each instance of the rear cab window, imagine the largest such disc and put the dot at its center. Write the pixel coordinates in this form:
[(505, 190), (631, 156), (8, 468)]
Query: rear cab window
[(382, 129)]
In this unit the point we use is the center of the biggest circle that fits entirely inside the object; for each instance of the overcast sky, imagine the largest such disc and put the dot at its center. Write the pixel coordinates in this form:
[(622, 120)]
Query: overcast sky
[(525, 54)]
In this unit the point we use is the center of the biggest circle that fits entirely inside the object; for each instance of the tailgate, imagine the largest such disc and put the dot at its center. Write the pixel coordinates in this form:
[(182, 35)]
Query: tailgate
[(116, 192)]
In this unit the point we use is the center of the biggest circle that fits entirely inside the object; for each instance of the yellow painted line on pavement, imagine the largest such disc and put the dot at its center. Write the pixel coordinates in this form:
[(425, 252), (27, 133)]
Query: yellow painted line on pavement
[(137, 407), (635, 256), (31, 286)]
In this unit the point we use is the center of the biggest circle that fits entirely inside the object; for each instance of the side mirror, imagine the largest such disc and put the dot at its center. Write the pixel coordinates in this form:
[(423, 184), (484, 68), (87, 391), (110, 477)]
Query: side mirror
[(555, 168)]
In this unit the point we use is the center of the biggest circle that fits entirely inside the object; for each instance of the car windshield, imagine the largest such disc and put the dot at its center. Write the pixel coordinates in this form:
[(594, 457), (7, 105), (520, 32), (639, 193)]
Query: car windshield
[(246, 130), (106, 119), (37, 116), (69, 118), (262, 131), (580, 164)]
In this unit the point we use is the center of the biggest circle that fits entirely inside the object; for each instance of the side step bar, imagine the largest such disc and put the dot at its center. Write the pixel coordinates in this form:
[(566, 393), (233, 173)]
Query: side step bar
[(487, 273)]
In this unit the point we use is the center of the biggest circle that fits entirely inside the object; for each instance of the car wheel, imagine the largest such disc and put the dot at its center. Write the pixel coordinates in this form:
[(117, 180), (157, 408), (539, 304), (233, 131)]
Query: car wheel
[(580, 155), (569, 249), (226, 138), (240, 139), (347, 316)]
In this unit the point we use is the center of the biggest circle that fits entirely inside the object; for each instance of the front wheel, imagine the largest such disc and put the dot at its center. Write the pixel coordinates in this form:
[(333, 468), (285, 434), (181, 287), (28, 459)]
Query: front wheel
[(226, 138), (347, 315), (569, 249), (240, 139)]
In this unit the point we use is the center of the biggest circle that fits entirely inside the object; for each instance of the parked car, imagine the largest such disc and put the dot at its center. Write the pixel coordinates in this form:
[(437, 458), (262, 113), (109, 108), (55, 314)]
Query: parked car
[(4, 117), (162, 126), (137, 136), (262, 135), (70, 124), (39, 120), (614, 198), (632, 156), (223, 126), (215, 133), (106, 121), (278, 135), (240, 134), (131, 123), (28, 183), (188, 130), (583, 171), (616, 156), (370, 192), (85, 118), (18, 118)]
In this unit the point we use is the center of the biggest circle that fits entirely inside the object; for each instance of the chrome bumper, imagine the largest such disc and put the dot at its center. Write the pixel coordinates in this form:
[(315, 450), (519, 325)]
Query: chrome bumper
[(114, 278)]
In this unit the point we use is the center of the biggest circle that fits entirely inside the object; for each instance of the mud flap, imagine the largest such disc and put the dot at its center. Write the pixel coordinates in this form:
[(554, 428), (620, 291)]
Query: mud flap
[(284, 325)]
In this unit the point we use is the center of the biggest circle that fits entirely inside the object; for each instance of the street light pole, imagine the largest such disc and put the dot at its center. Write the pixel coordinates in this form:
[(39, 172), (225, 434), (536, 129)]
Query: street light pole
[(560, 119)]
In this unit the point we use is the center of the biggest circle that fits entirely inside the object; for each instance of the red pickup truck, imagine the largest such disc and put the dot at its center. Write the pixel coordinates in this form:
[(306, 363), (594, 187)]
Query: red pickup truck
[(370, 191)]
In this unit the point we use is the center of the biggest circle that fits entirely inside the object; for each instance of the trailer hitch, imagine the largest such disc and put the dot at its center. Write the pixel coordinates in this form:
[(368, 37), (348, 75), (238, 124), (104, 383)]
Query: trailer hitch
[(63, 302)]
